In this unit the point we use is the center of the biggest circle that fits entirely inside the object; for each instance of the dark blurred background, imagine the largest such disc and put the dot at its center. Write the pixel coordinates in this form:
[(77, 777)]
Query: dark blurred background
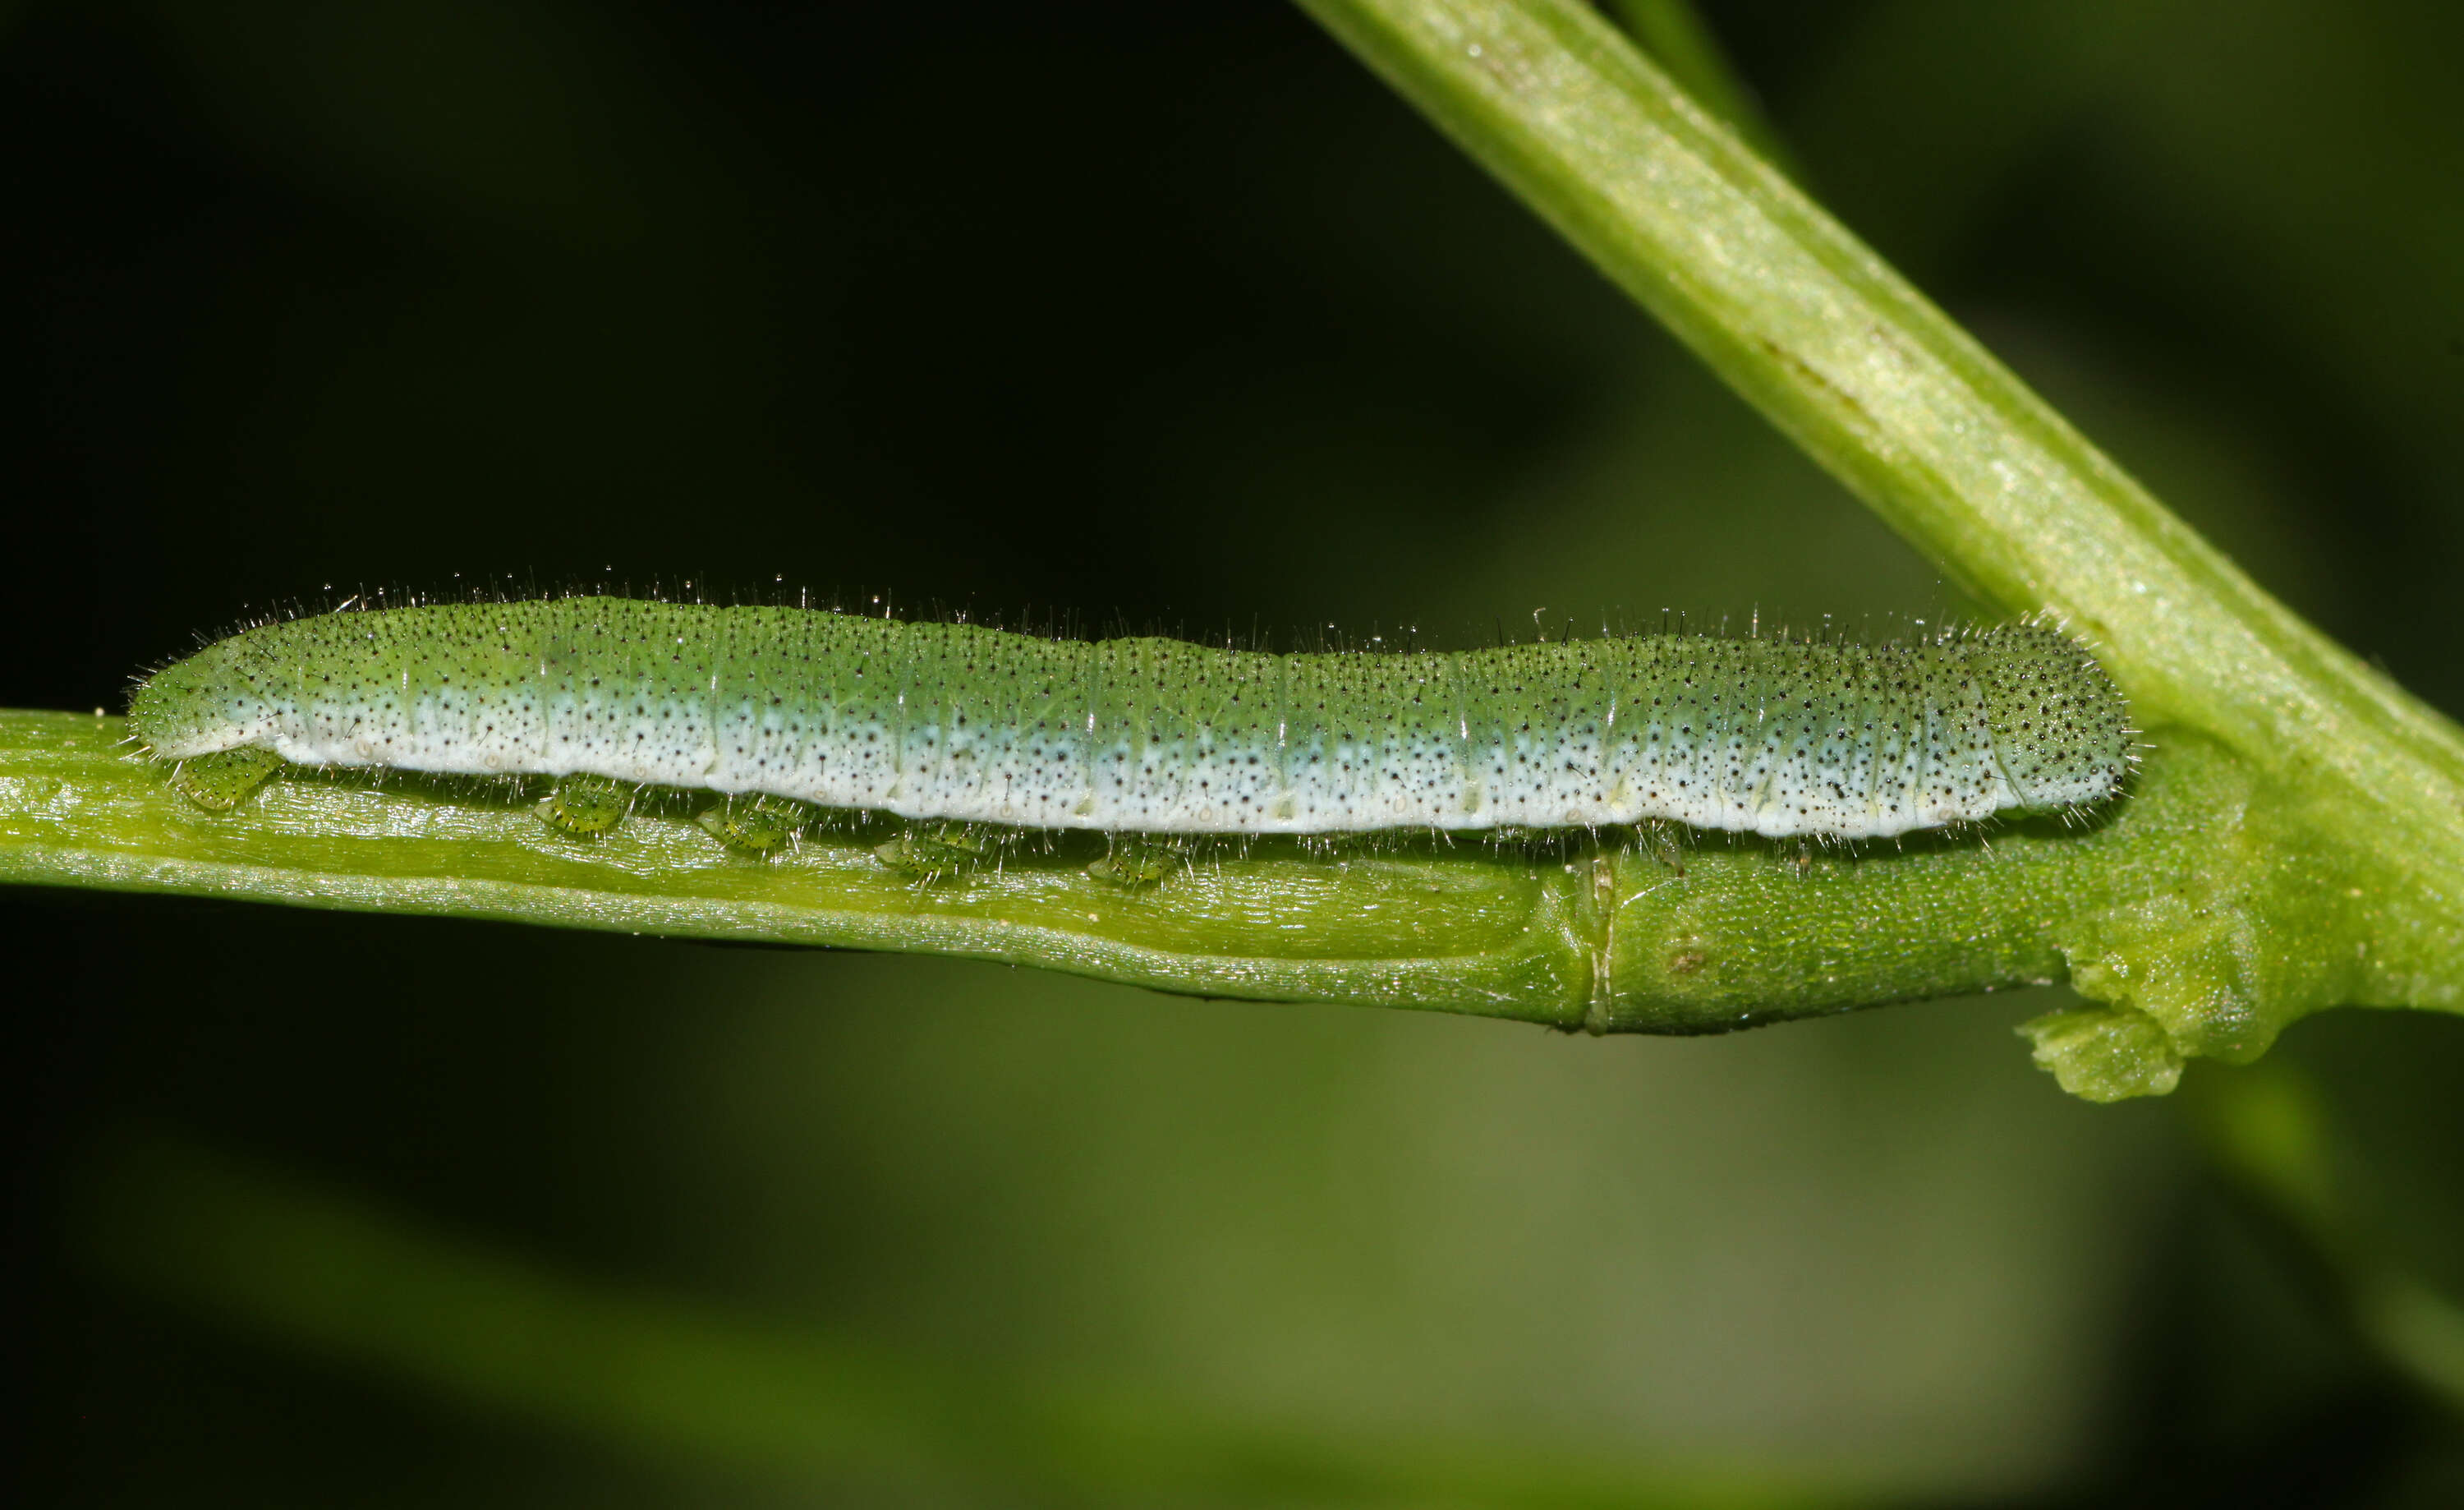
[(1170, 317)]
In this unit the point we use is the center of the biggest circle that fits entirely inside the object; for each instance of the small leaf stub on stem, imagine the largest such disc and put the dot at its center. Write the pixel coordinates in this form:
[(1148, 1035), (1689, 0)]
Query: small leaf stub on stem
[(2105, 1053)]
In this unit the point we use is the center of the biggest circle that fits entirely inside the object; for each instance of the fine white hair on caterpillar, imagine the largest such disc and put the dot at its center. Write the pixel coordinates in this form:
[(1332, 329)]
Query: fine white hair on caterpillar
[(774, 708)]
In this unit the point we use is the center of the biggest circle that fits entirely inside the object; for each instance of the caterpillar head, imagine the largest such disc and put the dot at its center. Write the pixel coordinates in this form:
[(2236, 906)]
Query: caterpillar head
[(222, 698)]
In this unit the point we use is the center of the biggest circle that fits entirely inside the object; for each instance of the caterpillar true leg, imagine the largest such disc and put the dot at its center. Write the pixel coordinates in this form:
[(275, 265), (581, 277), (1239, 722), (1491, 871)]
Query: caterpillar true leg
[(221, 781)]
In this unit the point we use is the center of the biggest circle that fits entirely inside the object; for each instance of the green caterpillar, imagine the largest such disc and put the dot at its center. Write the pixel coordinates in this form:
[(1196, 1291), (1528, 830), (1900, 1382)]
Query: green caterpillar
[(776, 708)]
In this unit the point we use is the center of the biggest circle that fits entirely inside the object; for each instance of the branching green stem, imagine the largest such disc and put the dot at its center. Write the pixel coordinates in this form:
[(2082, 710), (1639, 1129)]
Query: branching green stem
[(2295, 840), (1939, 438), (2189, 904)]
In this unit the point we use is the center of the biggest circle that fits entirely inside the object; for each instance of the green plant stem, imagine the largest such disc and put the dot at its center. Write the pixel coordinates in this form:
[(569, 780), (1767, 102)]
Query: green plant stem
[(2296, 841), (1923, 424), (2156, 907), (1890, 395), (1673, 33)]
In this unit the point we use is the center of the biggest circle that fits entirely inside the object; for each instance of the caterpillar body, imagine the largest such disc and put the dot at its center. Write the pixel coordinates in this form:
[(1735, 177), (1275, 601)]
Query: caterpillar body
[(1148, 736)]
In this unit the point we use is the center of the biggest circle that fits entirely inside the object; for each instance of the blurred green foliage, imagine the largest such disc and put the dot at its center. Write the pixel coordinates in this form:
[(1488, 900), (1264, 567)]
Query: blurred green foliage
[(1176, 318)]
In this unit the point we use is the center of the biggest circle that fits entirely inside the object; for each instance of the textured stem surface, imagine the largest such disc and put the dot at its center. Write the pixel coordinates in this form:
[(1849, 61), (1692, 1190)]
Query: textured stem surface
[(2188, 908)]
